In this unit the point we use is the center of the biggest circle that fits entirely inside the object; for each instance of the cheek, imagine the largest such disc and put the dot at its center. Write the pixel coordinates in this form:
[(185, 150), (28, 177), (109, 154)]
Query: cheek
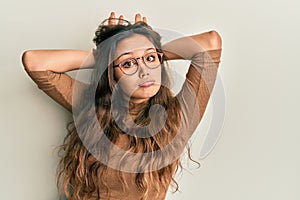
[(117, 74), (127, 83), (157, 75)]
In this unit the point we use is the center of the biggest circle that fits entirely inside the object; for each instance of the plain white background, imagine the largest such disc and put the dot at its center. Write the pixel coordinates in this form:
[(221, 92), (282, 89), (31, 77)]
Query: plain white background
[(258, 154)]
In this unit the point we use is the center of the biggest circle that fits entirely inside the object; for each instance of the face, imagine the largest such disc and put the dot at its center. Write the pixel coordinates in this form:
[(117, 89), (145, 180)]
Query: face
[(146, 82)]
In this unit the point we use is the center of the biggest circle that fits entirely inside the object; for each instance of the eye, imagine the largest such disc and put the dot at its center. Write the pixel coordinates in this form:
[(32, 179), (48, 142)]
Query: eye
[(128, 63), (151, 58)]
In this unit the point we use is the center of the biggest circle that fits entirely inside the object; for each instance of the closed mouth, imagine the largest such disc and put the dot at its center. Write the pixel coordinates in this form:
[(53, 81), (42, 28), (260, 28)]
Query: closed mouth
[(147, 83)]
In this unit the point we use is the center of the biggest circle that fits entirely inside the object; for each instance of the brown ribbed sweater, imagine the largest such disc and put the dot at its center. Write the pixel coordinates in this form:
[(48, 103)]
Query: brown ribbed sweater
[(193, 98)]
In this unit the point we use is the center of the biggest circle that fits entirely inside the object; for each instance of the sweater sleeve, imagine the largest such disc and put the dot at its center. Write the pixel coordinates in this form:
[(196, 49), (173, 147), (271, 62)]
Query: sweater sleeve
[(58, 86), (196, 90)]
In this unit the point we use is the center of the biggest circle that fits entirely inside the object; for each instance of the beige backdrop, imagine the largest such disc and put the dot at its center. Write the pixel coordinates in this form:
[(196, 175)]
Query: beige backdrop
[(258, 154)]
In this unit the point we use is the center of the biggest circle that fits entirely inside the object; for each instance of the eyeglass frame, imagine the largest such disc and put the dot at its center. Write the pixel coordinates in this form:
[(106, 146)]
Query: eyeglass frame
[(138, 65)]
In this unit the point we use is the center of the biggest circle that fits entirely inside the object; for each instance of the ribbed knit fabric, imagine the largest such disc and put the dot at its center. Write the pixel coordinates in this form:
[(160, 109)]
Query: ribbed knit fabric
[(193, 98)]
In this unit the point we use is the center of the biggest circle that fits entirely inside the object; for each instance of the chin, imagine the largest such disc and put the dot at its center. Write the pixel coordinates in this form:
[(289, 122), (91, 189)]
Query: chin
[(143, 94)]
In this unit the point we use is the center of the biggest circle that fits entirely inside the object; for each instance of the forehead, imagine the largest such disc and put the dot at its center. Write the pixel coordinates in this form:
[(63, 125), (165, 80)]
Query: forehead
[(133, 44)]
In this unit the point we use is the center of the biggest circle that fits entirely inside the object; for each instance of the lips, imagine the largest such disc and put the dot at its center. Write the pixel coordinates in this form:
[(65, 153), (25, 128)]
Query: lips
[(147, 83)]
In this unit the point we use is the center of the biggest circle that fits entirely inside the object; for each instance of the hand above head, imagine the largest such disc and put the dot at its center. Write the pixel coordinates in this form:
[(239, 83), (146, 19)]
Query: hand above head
[(113, 20), (139, 18)]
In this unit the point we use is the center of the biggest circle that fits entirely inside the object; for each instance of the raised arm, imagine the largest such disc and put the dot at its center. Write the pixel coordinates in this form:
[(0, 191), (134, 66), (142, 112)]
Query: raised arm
[(188, 47), (47, 69), (204, 51), (56, 60)]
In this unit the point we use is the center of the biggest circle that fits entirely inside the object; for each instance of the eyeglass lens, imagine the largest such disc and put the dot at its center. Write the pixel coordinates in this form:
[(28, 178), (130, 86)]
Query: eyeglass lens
[(130, 65)]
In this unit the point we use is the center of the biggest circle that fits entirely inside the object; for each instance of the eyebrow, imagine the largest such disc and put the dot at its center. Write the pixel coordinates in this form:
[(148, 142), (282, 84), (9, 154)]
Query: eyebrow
[(130, 52)]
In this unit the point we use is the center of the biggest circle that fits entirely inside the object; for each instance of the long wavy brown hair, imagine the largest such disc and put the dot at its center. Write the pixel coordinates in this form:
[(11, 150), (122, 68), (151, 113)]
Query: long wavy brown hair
[(102, 120)]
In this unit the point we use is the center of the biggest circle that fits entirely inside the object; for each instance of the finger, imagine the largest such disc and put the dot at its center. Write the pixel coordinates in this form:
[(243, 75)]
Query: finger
[(145, 19), (121, 19), (111, 19), (137, 17)]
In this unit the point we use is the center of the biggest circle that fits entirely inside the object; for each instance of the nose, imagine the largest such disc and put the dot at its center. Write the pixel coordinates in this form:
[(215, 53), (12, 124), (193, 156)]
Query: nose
[(143, 69)]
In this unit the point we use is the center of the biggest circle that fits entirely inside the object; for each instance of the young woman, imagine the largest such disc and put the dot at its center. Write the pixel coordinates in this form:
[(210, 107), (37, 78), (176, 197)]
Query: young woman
[(129, 129)]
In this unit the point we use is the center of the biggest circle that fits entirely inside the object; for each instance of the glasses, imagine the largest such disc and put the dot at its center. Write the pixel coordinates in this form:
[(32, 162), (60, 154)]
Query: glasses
[(130, 66)]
